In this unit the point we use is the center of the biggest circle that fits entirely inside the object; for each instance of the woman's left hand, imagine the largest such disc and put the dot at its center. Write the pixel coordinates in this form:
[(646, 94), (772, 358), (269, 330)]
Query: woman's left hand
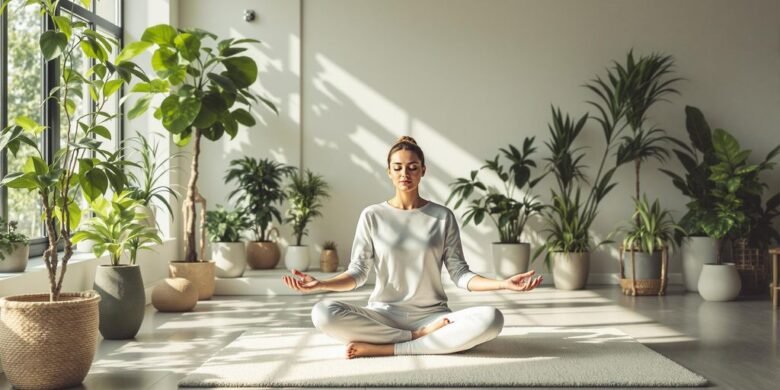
[(523, 282)]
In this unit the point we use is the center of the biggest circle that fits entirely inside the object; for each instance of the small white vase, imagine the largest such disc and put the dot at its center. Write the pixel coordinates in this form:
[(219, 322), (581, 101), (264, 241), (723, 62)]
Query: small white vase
[(85, 246), (697, 251), (719, 282), (297, 257), (229, 259), (510, 259)]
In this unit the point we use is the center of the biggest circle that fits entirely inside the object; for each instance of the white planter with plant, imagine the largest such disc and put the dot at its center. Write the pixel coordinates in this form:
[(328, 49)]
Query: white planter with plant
[(49, 340), (227, 250), (509, 215), (304, 194), (259, 194), (14, 248)]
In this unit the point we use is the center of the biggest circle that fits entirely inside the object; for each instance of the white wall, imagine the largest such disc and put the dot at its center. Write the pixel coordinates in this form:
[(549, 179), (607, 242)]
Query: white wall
[(467, 77)]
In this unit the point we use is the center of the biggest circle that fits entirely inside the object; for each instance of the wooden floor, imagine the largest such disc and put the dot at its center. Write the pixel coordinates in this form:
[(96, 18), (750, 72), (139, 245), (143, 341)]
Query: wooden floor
[(733, 344)]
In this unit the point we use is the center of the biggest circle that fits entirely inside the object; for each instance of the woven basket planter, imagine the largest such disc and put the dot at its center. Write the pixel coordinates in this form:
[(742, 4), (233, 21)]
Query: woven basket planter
[(329, 260), (48, 345), (200, 273), (634, 287)]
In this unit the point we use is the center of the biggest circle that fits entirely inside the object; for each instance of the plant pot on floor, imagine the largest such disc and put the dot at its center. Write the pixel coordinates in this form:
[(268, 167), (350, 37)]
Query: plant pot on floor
[(697, 251), (229, 258), (510, 259), (643, 273), (297, 257), (329, 260), (262, 254), (122, 300), (200, 273), (719, 282), (16, 260), (570, 270), (48, 345)]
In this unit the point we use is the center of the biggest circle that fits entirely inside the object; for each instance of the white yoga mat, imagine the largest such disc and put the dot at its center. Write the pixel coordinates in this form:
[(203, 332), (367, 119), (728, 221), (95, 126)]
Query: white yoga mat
[(520, 356)]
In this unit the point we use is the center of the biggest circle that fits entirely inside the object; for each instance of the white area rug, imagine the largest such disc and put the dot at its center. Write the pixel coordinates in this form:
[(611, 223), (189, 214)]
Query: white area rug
[(520, 356)]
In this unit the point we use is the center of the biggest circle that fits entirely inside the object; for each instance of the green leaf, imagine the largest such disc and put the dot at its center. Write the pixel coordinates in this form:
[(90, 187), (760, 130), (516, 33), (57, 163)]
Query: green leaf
[(92, 49), (164, 61), (53, 43), (94, 183), (20, 180), (178, 115), (36, 165), (111, 87), (102, 131), (63, 24), (188, 45), (161, 34), (74, 212), (140, 106), (224, 82), (243, 117), (29, 125), (183, 138), (242, 70), (132, 50)]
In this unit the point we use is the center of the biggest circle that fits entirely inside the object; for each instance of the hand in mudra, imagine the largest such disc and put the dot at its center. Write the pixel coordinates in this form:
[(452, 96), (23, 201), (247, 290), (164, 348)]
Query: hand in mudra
[(306, 283), (523, 282)]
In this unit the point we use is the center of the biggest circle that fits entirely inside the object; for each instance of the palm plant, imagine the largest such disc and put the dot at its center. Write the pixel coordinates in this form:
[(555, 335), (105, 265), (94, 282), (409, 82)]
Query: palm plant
[(259, 190), (508, 214), (652, 228), (304, 193), (225, 225), (145, 187)]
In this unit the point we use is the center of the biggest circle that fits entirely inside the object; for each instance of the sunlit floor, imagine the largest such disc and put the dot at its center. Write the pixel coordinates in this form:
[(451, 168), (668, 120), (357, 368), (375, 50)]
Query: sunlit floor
[(733, 344)]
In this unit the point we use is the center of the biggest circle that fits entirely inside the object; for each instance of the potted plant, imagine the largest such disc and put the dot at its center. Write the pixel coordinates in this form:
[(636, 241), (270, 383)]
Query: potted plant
[(201, 87), (59, 330), (117, 228), (329, 257), (509, 215), (227, 250), (644, 253), (14, 248), (304, 194), (259, 192)]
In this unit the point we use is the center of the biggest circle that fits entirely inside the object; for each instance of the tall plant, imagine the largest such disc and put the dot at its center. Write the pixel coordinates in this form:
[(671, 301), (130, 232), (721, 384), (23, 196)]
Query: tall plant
[(305, 194), (145, 183), (508, 214), (259, 190), (201, 86), (82, 166)]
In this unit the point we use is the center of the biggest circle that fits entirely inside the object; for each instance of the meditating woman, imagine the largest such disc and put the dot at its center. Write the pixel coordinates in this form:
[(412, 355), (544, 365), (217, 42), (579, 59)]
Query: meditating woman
[(405, 241)]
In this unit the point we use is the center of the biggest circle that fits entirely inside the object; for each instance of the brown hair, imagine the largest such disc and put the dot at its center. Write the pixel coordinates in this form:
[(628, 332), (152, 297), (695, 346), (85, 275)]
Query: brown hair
[(406, 143)]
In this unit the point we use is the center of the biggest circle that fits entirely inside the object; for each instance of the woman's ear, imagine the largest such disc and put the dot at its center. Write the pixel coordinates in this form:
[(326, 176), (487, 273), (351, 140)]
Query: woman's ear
[(423, 171)]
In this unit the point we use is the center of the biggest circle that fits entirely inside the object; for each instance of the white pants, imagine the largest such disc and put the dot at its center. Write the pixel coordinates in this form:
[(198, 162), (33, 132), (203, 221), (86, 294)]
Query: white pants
[(468, 328)]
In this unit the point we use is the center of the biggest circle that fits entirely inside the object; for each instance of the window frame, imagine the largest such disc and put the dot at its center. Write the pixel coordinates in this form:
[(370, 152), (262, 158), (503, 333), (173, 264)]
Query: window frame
[(50, 79)]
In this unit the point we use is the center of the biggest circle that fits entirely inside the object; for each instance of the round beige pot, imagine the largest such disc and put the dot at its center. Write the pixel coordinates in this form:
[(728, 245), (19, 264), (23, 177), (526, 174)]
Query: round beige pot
[(16, 260), (510, 259), (329, 260), (48, 345), (262, 254), (719, 282), (229, 258), (570, 270), (200, 273), (174, 295), (297, 257)]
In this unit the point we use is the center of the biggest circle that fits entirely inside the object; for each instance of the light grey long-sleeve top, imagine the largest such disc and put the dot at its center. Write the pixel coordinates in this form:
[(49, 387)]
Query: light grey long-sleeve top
[(406, 249)]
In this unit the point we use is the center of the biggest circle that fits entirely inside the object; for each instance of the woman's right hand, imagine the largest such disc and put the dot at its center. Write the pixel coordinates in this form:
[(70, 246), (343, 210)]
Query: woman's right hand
[(306, 283)]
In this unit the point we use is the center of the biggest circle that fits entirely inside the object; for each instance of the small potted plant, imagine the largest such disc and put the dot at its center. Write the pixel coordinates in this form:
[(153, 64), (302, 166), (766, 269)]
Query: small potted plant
[(116, 228), (145, 184), (259, 193), (227, 250), (329, 257), (644, 253), (14, 248), (304, 194), (509, 215)]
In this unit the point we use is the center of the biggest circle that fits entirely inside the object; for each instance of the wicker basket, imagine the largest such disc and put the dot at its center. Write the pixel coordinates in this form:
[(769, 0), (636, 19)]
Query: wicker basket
[(631, 286), (753, 267), (48, 345)]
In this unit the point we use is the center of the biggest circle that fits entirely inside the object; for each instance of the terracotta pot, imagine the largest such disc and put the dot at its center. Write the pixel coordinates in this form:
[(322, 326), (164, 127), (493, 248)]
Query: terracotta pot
[(200, 273), (329, 260), (174, 295), (262, 254)]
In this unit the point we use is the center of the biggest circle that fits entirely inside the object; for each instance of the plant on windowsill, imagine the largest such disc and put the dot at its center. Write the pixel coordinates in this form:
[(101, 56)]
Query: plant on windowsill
[(304, 194), (259, 192), (201, 86), (224, 229), (509, 215), (39, 330), (14, 248), (117, 228)]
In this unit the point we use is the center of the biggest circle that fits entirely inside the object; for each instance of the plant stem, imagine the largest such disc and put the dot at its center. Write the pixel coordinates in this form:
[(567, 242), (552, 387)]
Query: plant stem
[(189, 235)]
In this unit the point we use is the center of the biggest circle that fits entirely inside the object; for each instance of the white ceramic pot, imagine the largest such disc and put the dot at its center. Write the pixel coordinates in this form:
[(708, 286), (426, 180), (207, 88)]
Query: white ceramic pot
[(229, 258), (570, 270), (297, 257), (697, 251), (149, 215), (16, 259), (85, 246), (719, 282), (510, 259)]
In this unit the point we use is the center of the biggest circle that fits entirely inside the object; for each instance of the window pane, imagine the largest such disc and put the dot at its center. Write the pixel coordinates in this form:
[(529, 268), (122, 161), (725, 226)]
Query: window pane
[(24, 98), (107, 9), (111, 107), (79, 98)]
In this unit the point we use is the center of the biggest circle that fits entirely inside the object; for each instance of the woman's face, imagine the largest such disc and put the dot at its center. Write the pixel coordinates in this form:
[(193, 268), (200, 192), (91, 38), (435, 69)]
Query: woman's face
[(405, 170)]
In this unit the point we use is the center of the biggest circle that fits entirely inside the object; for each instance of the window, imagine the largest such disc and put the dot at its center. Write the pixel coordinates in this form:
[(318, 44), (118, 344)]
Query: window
[(24, 78)]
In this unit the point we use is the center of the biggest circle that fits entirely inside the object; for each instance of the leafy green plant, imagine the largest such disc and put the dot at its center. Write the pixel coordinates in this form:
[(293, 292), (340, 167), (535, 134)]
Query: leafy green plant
[(508, 214), (145, 185), (329, 245), (652, 228), (10, 239), (259, 190), (82, 166), (116, 227), (201, 86), (304, 194), (226, 226)]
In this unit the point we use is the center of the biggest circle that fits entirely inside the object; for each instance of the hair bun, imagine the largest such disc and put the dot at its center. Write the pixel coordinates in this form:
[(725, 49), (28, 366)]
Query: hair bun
[(407, 139)]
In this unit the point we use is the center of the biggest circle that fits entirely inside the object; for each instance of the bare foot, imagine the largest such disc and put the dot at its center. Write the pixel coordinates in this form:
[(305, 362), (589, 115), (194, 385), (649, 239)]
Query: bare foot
[(430, 328), (356, 350)]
